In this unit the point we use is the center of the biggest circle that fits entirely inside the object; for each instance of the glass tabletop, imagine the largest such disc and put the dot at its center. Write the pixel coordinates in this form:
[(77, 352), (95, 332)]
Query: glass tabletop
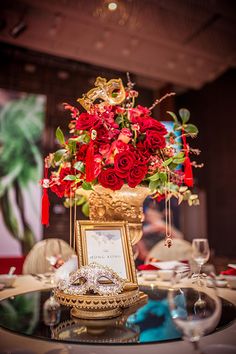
[(149, 323)]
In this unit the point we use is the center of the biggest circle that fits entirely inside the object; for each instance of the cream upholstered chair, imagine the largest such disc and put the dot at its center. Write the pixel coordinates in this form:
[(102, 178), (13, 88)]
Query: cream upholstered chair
[(36, 262), (180, 250)]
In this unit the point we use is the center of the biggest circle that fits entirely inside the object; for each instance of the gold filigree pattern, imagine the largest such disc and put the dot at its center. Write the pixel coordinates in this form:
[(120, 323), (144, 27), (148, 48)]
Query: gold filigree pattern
[(98, 307), (124, 204), (110, 92)]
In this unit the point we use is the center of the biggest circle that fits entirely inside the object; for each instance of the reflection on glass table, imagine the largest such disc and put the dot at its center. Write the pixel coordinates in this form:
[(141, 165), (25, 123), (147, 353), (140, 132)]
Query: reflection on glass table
[(148, 323)]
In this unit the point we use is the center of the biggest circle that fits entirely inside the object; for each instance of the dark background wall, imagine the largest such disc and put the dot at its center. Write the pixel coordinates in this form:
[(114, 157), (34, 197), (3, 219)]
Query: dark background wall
[(213, 110)]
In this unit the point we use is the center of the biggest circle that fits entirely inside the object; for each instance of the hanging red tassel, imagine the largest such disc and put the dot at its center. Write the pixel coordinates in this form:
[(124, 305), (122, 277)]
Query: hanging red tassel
[(45, 207), (45, 199), (89, 160), (188, 172)]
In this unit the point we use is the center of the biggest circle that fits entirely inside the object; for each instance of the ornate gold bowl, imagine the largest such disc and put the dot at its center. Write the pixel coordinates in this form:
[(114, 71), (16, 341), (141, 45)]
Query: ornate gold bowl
[(125, 204), (97, 306)]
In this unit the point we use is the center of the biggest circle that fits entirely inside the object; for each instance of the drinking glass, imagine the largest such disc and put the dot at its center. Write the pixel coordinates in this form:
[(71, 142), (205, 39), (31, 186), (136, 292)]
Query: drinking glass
[(200, 253), (195, 310)]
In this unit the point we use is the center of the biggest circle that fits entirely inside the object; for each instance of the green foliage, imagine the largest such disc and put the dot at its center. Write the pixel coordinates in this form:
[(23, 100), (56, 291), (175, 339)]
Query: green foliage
[(72, 146), (167, 162), (85, 209), (154, 177), (79, 165), (173, 115), (87, 186), (184, 115), (60, 136), (70, 178), (59, 154), (21, 126), (191, 129), (81, 200)]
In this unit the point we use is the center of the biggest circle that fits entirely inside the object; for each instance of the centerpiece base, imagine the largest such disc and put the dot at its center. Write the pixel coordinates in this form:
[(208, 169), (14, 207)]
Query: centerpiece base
[(98, 307)]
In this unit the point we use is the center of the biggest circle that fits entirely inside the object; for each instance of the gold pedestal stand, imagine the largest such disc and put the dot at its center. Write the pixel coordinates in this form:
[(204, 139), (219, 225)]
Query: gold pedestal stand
[(106, 330), (100, 307)]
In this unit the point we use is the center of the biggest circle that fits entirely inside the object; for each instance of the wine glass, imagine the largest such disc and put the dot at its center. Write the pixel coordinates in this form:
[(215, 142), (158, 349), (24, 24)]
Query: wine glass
[(195, 310), (200, 253)]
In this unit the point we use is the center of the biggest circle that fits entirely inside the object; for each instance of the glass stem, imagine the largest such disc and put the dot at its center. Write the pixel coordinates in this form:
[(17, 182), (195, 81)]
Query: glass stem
[(199, 274), (196, 347)]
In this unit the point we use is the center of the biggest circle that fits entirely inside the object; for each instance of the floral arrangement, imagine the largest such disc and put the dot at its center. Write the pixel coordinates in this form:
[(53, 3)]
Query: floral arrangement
[(114, 142)]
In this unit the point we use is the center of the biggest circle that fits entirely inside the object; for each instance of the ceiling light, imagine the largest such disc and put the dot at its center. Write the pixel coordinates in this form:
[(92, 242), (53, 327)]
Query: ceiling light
[(112, 6), (99, 45), (30, 68), (18, 29)]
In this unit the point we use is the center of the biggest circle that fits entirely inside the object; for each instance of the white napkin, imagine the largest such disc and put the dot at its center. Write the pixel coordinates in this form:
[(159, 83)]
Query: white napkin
[(169, 265)]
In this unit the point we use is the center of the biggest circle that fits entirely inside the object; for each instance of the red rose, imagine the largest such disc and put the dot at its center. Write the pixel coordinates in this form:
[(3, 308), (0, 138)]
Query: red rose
[(81, 154), (136, 175), (58, 185), (58, 189), (141, 154), (149, 124), (154, 125), (87, 121), (123, 162), (138, 112), (109, 179), (103, 135), (154, 140)]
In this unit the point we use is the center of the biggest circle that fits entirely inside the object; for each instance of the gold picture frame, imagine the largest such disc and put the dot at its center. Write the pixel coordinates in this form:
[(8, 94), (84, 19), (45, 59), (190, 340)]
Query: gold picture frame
[(108, 244)]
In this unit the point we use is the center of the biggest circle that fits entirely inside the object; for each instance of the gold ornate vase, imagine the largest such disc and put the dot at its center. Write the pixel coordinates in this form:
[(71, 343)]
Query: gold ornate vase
[(125, 204)]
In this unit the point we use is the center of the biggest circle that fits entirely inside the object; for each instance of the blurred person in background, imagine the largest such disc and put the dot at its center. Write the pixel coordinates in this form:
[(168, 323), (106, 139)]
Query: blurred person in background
[(154, 227)]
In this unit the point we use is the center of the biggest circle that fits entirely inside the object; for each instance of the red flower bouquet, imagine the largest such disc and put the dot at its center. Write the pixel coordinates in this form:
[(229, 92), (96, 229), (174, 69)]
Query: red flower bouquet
[(114, 143)]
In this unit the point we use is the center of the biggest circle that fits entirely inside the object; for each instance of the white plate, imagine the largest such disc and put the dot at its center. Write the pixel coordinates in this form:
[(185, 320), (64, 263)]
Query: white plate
[(232, 265)]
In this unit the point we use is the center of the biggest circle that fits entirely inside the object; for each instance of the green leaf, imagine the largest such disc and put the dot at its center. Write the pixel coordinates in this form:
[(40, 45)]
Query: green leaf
[(154, 177), (85, 209), (58, 154), (83, 138), (173, 115), (179, 155), (60, 136), (79, 165), (184, 115), (177, 126), (191, 129), (81, 201), (172, 166), (163, 177), (153, 185), (87, 186), (72, 145), (167, 162), (70, 178), (179, 161), (119, 120)]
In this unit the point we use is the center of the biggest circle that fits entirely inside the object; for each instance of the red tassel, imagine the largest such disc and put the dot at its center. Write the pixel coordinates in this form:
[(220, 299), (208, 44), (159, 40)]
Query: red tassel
[(45, 207), (188, 172), (45, 199), (89, 162)]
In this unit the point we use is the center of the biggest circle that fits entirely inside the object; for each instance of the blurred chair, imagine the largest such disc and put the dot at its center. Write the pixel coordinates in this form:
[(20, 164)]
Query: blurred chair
[(36, 260), (180, 250)]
